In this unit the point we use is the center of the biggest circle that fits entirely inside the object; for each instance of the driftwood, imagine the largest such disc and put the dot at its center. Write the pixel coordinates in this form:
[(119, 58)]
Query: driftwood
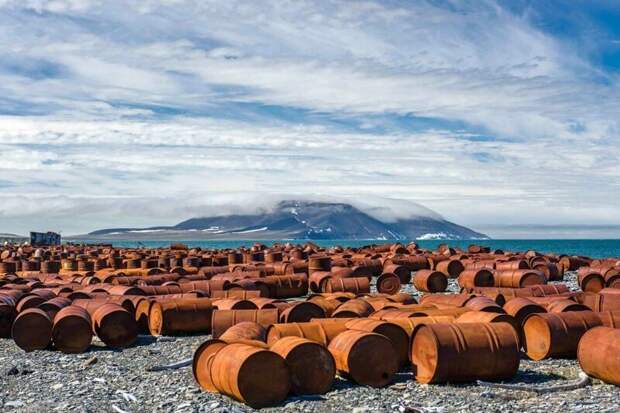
[(173, 366), (583, 381)]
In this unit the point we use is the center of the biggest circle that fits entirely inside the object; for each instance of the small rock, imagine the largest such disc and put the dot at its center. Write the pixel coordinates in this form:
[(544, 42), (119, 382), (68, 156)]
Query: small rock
[(90, 361), (165, 339), (14, 403), (57, 386), (13, 371)]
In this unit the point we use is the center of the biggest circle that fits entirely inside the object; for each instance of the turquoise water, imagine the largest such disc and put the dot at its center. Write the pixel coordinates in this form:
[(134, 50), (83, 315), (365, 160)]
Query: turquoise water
[(588, 247)]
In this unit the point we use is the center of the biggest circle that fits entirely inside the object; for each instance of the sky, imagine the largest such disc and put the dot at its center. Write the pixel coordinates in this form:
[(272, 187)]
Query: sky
[(140, 113)]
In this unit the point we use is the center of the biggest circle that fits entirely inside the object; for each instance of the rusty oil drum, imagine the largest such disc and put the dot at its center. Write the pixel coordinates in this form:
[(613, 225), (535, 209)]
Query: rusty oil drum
[(32, 330), (388, 283), (472, 278), (184, 315), (365, 358), (221, 320), (114, 325), (72, 331), (597, 354), (320, 332), (556, 334), (519, 278), (395, 333), (239, 370), (244, 332), (430, 281), (443, 353), (312, 366)]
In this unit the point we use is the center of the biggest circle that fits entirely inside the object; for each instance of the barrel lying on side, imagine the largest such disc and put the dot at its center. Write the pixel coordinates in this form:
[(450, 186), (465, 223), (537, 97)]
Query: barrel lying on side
[(597, 353), (465, 352), (430, 281), (188, 315), (221, 320), (366, 358), (249, 374), (556, 334)]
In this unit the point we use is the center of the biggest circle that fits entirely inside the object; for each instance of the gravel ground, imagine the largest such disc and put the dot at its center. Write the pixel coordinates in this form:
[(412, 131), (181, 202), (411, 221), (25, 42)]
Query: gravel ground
[(118, 381)]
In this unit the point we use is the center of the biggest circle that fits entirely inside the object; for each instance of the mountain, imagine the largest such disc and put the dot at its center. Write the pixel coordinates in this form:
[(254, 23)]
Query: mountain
[(298, 220), (4, 235)]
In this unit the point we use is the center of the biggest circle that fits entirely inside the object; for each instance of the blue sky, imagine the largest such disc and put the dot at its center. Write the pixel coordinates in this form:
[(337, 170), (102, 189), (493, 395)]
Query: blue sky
[(149, 112)]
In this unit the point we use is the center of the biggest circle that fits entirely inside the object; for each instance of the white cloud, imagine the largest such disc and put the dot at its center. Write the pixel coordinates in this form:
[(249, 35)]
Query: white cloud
[(143, 103)]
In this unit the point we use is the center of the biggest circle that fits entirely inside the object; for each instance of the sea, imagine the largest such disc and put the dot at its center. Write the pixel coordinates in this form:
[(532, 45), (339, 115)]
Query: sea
[(595, 248)]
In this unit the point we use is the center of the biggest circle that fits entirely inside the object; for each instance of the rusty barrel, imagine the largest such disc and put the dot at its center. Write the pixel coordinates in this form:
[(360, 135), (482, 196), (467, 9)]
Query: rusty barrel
[(316, 331), (465, 352), (7, 315), (239, 370), (486, 317), (72, 331), (185, 315), (403, 273), (301, 312), (32, 330), (356, 285), (483, 304), (446, 311), (234, 304), (318, 279), (319, 263), (397, 335), (601, 301), (114, 325), (451, 268), (512, 265), (264, 302), (430, 281), (240, 294), (353, 308), (311, 365), (610, 318), (520, 308), (221, 320), (388, 283), (244, 331), (365, 358), (287, 286), (53, 306), (472, 278), (590, 280), (556, 334), (200, 364), (141, 315), (562, 305), (410, 324), (519, 278), (29, 301), (597, 354), (378, 303), (446, 300)]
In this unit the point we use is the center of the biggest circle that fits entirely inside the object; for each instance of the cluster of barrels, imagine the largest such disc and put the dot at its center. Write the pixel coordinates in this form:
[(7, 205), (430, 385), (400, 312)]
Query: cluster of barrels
[(307, 314)]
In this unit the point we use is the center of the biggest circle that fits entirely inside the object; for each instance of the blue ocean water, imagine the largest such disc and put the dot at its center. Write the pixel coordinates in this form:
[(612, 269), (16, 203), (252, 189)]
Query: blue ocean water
[(594, 248)]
